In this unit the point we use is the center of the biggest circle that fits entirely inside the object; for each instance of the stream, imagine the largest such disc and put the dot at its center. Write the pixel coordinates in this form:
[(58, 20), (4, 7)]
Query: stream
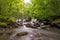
[(34, 34)]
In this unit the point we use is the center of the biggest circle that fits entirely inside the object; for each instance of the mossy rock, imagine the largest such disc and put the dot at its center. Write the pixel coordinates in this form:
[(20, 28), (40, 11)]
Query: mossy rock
[(57, 21), (3, 25), (37, 25), (22, 34), (29, 25), (11, 21), (20, 24)]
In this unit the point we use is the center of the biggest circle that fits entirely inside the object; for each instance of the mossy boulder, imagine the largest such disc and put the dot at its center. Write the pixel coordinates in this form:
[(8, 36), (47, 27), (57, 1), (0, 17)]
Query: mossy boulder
[(29, 25), (22, 34), (3, 25), (37, 25), (57, 21), (8, 22), (20, 24), (11, 21)]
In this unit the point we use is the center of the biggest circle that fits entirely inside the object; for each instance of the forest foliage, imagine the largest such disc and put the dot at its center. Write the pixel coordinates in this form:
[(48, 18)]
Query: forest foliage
[(40, 9)]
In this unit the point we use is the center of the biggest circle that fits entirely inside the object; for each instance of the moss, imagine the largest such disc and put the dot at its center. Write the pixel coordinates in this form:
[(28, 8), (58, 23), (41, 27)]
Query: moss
[(3, 25), (8, 22), (20, 24), (22, 34), (57, 20), (29, 25), (11, 21)]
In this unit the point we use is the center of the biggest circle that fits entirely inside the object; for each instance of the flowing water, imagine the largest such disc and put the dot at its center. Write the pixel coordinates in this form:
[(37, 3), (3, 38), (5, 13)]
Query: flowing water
[(34, 34)]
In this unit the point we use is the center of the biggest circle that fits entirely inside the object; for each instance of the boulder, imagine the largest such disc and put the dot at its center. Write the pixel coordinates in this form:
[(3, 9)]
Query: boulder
[(22, 34)]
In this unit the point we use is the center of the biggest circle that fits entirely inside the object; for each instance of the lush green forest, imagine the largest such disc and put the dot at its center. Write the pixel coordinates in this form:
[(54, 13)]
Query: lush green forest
[(10, 10), (40, 9)]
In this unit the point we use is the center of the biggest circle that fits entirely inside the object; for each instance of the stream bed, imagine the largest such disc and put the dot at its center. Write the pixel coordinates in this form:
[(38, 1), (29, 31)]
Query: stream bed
[(34, 34)]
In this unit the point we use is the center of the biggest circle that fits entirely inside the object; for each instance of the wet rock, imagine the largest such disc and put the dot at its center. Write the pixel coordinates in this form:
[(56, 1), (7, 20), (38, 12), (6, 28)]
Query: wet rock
[(1, 33), (22, 34), (29, 25), (18, 20), (9, 33), (54, 24), (20, 24), (37, 25), (3, 25)]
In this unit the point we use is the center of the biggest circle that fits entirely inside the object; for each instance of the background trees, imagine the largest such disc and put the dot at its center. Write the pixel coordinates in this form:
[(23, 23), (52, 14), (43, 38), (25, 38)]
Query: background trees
[(40, 9), (45, 9)]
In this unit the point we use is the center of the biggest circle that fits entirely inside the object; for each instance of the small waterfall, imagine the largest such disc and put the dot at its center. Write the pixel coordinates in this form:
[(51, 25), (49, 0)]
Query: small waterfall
[(24, 28)]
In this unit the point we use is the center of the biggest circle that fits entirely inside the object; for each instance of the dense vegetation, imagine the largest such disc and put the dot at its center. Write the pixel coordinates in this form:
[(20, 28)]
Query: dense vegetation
[(46, 9), (10, 10)]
